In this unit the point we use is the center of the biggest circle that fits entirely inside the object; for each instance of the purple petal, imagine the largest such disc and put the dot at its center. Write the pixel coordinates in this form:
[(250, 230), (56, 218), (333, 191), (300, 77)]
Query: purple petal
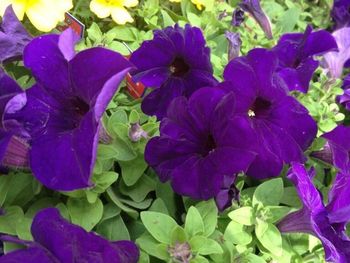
[(35, 254)]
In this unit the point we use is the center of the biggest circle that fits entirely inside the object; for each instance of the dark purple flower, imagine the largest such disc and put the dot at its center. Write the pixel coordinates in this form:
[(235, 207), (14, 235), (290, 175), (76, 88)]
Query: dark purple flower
[(316, 219), (253, 8), (228, 193), (56, 240), (61, 116), (13, 150), (201, 141), (237, 17), (176, 63), (13, 37), (335, 60), (344, 99), (234, 44), (295, 52), (341, 13), (282, 127)]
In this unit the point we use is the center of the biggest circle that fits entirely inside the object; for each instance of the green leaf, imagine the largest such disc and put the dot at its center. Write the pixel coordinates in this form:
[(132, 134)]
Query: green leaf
[(199, 259), (289, 20), (104, 180), (194, 223), (159, 206), (178, 235), (147, 243), (269, 192), (269, 236), (132, 170), (8, 222), (160, 226), (209, 213), (276, 213), (116, 200), (237, 234), (167, 20), (205, 246), (85, 214), (123, 33), (113, 229), (243, 215), (95, 33)]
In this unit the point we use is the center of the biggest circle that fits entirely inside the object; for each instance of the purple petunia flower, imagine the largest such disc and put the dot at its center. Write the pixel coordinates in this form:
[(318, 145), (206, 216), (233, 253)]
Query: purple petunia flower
[(295, 52), (326, 223), (253, 8), (237, 17), (340, 13), (335, 61), (175, 63), (202, 144), (282, 127), (61, 115), (344, 99), (13, 37), (56, 240)]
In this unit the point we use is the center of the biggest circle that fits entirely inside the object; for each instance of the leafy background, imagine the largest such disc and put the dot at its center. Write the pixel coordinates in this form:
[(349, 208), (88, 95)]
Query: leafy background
[(129, 202)]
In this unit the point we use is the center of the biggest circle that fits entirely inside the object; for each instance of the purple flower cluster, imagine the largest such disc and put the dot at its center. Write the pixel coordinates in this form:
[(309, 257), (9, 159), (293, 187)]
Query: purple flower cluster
[(56, 240), (209, 133)]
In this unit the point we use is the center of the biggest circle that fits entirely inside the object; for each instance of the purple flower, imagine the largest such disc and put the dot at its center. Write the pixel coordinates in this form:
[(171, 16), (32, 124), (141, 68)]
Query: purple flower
[(61, 116), (237, 17), (316, 219), (335, 60), (340, 13), (227, 194), (282, 127), (253, 8), (295, 52), (234, 44), (56, 240), (344, 99), (176, 63), (201, 141), (13, 37)]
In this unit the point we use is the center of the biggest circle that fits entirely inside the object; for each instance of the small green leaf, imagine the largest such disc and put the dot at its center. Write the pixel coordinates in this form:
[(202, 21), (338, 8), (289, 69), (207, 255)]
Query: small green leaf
[(237, 234), (269, 236), (147, 243), (199, 259), (178, 235), (276, 213), (113, 229), (8, 222), (205, 246), (160, 226), (243, 215), (209, 213), (85, 214), (269, 192), (194, 223)]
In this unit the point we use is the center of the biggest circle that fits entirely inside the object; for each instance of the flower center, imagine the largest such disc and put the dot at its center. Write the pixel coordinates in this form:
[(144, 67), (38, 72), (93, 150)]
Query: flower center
[(80, 107), (180, 252), (179, 67), (259, 108), (209, 146)]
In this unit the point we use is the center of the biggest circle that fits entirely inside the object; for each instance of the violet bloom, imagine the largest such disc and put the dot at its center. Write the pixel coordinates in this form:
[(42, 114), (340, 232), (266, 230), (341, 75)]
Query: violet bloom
[(234, 44), (175, 63), (336, 60), (295, 52), (237, 17), (201, 142), (282, 127), (341, 13), (13, 150), (253, 8), (61, 117), (316, 219), (344, 99), (13, 37), (56, 240)]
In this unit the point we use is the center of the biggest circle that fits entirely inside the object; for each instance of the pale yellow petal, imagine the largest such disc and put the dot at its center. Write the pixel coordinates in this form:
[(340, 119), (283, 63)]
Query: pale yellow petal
[(45, 14), (100, 9), (121, 16), (3, 5), (18, 7), (130, 3)]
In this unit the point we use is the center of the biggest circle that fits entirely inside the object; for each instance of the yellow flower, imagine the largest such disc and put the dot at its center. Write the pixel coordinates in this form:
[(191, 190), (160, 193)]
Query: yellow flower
[(44, 14), (105, 8), (198, 3)]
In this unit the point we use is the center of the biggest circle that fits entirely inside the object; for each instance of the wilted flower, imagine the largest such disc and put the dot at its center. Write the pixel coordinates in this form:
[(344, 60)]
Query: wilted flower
[(176, 63), (115, 8), (43, 14), (335, 61), (237, 17), (295, 52), (344, 99), (13, 37), (326, 223), (62, 112), (282, 126), (234, 44), (201, 141), (341, 13), (136, 132), (253, 8), (56, 240)]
